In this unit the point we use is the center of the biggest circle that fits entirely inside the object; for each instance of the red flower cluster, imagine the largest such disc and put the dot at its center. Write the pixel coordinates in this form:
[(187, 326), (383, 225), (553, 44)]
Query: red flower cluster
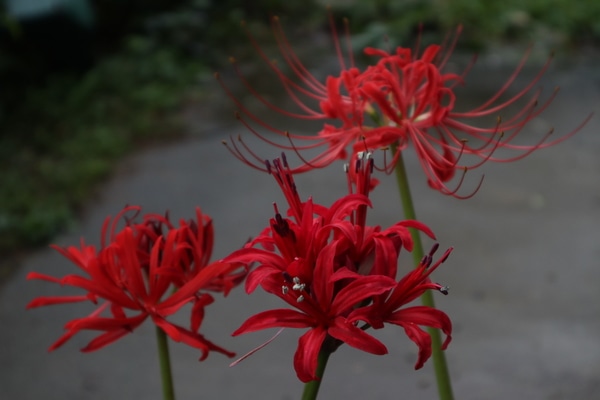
[(147, 269), (403, 98), (336, 271)]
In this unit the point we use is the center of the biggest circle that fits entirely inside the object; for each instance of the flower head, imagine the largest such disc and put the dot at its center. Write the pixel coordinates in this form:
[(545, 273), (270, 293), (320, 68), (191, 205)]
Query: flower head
[(390, 307), (404, 98), (326, 264), (145, 270)]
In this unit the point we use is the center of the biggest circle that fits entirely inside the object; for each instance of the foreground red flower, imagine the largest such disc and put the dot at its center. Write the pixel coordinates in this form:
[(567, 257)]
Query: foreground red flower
[(404, 98), (143, 272), (332, 268), (390, 307)]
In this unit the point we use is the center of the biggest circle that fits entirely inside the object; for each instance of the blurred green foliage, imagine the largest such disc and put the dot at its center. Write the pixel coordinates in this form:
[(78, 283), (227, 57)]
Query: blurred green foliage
[(74, 100), (65, 136), (552, 22)]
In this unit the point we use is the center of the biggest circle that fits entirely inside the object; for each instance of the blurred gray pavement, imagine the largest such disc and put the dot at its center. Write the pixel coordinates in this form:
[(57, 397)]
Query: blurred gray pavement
[(524, 276)]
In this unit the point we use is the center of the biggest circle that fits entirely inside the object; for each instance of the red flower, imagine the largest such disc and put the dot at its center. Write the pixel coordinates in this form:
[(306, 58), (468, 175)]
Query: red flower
[(325, 263), (133, 277), (322, 307), (410, 99), (198, 237), (388, 307), (370, 249)]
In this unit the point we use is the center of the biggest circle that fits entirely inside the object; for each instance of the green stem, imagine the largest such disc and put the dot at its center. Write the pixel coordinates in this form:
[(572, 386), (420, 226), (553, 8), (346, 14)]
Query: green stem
[(165, 365), (311, 389), (439, 359)]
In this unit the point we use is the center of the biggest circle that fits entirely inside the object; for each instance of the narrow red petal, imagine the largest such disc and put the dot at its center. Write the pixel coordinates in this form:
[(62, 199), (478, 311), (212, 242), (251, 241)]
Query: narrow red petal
[(307, 355), (275, 319)]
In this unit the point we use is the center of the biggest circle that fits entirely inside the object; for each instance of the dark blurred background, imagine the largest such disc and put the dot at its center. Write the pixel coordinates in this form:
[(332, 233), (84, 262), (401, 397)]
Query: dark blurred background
[(85, 81)]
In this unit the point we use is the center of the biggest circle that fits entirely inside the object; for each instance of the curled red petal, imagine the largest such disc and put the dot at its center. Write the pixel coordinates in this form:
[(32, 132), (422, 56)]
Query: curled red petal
[(307, 354)]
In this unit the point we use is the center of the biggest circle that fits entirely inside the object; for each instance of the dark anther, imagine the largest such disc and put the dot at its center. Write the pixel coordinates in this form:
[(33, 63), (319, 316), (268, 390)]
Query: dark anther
[(434, 249), (287, 277), (282, 228)]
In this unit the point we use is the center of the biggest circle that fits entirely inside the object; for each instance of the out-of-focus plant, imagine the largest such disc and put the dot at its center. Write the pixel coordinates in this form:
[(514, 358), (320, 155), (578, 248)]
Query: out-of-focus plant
[(67, 117), (64, 137), (553, 22)]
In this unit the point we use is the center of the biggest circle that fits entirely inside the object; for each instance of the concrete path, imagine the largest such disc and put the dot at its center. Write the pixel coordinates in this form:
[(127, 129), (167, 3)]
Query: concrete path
[(524, 278)]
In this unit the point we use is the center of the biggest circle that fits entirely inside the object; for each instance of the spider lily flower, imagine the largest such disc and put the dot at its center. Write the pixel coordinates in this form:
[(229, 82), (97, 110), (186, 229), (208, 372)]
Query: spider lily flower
[(405, 98), (372, 249), (326, 264), (142, 272), (198, 236), (321, 307), (389, 307)]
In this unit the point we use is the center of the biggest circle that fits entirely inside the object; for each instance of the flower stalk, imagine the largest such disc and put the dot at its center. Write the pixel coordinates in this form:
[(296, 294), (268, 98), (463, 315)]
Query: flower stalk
[(442, 375), (311, 389), (164, 361)]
